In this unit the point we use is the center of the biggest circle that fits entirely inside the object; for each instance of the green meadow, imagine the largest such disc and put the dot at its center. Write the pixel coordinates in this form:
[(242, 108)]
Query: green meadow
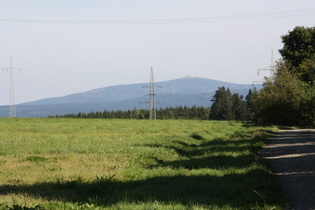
[(134, 164)]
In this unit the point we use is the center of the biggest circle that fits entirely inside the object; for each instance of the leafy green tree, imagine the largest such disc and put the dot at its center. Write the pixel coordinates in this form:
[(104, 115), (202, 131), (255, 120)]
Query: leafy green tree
[(306, 70), (299, 45), (308, 105), (135, 114), (299, 52), (279, 102), (289, 98)]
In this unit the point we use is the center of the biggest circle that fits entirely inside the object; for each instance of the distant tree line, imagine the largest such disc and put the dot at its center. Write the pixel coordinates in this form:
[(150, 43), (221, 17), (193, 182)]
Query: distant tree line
[(226, 106), (179, 112)]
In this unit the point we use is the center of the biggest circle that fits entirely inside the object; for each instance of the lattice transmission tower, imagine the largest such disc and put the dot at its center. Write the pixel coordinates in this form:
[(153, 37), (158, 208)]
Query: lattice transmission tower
[(12, 110), (152, 102), (271, 69)]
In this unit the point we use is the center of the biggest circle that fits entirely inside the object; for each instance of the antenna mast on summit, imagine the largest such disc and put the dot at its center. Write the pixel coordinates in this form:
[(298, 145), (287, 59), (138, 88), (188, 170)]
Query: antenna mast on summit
[(12, 110)]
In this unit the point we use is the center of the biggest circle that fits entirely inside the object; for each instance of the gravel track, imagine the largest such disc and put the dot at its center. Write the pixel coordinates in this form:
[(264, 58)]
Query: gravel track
[(291, 155)]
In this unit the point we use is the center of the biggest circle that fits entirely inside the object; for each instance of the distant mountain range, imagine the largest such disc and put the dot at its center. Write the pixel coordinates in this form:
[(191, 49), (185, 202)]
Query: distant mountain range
[(178, 92)]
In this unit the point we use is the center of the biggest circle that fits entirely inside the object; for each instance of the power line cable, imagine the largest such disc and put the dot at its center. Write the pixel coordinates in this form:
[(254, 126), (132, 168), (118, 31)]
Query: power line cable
[(240, 64), (253, 16)]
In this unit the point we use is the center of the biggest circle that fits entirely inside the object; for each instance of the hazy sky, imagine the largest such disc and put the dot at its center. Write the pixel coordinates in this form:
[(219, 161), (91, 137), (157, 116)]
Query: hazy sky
[(69, 46)]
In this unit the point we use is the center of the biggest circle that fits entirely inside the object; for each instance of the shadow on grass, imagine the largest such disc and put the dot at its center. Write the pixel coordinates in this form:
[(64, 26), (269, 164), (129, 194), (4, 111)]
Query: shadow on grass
[(239, 151), (214, 162), (209, 147), (235, 190)]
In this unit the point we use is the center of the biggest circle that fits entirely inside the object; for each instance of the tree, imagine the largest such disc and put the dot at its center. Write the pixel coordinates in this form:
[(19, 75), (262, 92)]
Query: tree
[(249, 104), (289, 98), (308, 105), (299, 45), (227, 106), (239, 107), (279, 102), (306, 70), (135, 114), (299, 52), (222, 106)]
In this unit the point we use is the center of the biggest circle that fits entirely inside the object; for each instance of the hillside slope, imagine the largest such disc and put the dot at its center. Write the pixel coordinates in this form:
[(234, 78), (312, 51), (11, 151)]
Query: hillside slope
[(126, 92), (178, 92)]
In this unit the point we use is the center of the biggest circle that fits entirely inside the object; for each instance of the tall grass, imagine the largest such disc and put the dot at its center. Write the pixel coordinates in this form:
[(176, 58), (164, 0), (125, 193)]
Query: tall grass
[(134, 164)]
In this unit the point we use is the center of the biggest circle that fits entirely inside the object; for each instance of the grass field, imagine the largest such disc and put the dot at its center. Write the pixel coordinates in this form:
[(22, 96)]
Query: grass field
[(134, 164)]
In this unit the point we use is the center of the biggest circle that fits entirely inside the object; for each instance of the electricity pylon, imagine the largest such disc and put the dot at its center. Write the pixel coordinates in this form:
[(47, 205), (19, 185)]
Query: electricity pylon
[(152, 94), (270, 68), (12, 110)]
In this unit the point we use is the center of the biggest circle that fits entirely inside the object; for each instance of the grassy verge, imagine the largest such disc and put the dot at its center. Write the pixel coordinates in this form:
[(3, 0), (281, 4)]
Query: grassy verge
[(134, 164)]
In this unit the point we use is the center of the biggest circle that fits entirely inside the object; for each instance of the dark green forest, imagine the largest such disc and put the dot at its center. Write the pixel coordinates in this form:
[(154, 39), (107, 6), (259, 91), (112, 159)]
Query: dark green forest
[(200, 113), (226, 106)]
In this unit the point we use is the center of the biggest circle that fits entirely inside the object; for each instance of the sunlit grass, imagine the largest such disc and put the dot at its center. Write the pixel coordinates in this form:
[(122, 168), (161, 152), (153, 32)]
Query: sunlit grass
[(134, 164)]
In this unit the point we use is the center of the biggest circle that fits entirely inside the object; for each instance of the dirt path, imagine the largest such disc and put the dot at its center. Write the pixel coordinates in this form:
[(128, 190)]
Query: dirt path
[(292, 157)]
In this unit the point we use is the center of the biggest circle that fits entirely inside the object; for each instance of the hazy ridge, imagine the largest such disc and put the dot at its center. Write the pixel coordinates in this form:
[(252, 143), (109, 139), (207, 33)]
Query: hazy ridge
[(178, 92)]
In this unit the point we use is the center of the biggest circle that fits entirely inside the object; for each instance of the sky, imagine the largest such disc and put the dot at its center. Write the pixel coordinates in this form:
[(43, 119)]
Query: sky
[(62, 47)]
